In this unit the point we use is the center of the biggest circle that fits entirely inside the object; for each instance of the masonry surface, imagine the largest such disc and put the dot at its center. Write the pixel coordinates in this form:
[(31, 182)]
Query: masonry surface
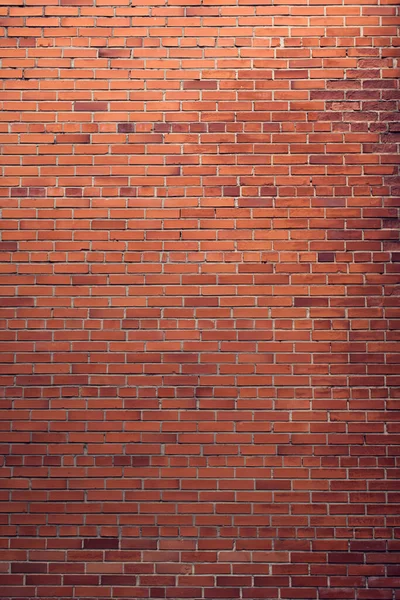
[(200, 299)]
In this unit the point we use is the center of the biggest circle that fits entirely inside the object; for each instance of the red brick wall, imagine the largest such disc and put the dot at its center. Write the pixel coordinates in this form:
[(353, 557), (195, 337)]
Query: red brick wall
[(199, 299)]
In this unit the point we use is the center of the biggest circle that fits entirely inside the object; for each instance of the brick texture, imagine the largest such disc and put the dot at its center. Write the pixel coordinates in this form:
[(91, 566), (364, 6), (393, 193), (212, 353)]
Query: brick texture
[(199, 267)]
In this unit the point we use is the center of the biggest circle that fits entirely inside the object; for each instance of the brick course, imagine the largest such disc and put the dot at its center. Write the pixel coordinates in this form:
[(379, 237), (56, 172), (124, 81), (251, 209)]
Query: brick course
[(199, 306)]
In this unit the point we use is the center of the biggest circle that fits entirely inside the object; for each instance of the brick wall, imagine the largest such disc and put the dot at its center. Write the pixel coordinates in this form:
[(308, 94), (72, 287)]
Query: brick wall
[(199, 267)]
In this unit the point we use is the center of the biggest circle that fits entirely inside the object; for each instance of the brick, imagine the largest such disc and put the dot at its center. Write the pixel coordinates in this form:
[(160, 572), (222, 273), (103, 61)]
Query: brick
[(199, 303), (105, 543)]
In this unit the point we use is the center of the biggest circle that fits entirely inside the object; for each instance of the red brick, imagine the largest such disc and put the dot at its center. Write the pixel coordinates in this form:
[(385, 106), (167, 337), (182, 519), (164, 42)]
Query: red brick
[(199, 302)]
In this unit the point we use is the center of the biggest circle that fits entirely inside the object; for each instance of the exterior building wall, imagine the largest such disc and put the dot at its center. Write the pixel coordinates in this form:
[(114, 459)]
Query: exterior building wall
[(199, 268)]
